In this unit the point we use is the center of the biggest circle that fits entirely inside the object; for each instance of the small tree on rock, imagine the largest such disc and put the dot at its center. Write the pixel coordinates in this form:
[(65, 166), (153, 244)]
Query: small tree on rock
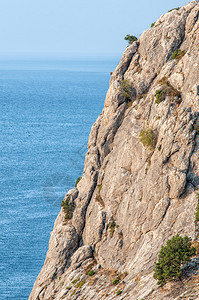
[(172, 257), (130, 38)]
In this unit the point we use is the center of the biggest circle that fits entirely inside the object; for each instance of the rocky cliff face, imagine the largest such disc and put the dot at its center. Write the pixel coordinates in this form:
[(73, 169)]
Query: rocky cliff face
[(133, 197)]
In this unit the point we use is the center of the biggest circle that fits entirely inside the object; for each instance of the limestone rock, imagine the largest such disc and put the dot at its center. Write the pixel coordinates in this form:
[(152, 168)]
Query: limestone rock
[(133, 197)]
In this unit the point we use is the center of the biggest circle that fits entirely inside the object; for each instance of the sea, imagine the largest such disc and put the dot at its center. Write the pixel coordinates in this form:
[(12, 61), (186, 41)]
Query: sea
[(47, 108)]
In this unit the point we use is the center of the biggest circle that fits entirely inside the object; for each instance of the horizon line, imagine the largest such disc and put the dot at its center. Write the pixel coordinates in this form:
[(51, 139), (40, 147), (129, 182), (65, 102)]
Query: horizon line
[(57, 56)]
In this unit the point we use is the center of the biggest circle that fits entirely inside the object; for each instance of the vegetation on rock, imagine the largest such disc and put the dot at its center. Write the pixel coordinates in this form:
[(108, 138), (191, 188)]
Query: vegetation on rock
[(111, 227), (116, 281), (99, 187), (98, 196), (172, 257), (130, 38), (178, 54), (77, 181), (119, 292), (68, 208), (73, 293), (153, 24), (81, 283), (91, 273), (160, 96), (197, 210), (166, 90), (172, 9), (75, 281), (126, 89), (148, 137)]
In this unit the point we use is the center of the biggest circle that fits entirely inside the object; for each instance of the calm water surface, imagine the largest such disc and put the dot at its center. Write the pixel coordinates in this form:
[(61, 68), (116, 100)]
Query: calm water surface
[(46, 111)]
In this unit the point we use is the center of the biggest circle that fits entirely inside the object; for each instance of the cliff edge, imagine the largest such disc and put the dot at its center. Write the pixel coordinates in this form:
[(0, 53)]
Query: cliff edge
[(141, 177)]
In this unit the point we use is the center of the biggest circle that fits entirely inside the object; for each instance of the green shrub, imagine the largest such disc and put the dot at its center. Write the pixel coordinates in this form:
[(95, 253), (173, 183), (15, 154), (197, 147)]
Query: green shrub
[(91, 273), (99, 187), (159, 96), (166, 90), (81, 283), (68, 208), (172, 257), (172, 9), (116, 281), (77, 181), (126, 89), (177, 54), (153, 24), (111, 227), (197, 210), (75, 281), (119, 292), (69, 288), (73, 293), (148, 138), (130, 38)]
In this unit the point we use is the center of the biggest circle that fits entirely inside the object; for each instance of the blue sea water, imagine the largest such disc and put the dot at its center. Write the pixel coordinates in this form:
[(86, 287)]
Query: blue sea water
[(46, 111)]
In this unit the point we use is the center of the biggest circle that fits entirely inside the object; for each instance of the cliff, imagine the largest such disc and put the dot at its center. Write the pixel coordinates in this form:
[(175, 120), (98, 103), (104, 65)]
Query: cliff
[(141, 176)]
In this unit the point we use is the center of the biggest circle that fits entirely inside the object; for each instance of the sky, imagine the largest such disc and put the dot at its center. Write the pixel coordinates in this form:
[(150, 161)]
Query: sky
[(75, 28)]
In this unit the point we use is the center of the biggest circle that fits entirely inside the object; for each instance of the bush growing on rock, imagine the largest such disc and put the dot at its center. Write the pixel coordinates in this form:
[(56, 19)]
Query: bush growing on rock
[(119, 292), (91, 273), (77, 181), (126, 89), (160, 96), (68, 208), (130, 38), (76, 280), (148, 137), (116, 281), (177, 54), (167, 90), (81, 283), (172, 257), (111, 227)]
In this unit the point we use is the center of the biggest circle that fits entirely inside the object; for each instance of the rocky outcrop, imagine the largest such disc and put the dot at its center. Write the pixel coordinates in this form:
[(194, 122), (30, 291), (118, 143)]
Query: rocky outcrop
[(133, 196)]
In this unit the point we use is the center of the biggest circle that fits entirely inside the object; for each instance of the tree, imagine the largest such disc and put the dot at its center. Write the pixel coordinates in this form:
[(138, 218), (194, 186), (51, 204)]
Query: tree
[(130, 38), (172, 257)]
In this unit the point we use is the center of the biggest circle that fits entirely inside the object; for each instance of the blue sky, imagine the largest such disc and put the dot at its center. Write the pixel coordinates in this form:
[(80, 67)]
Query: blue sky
[(75, 28)]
